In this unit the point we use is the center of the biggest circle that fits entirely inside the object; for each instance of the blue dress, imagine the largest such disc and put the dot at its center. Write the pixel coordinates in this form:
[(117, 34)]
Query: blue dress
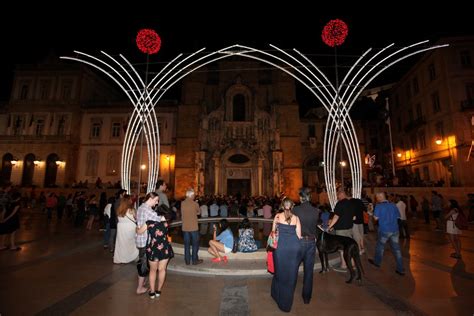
[(286, 258)]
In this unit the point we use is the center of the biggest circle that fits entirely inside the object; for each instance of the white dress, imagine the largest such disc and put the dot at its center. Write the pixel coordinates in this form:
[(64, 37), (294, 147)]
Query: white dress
[(125, 249), (451, 228)]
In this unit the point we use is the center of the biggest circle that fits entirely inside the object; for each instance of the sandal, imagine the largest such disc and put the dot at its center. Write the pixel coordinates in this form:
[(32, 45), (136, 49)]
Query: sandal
[(216, 260)]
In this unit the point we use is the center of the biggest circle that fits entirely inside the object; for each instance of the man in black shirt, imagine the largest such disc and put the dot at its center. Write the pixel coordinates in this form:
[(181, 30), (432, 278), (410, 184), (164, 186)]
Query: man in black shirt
[(358, 227), (309, 217), (342, 222)]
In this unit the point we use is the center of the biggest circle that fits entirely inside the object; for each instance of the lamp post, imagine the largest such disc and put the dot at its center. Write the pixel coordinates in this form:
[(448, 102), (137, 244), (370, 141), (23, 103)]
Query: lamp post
[(439, 141)]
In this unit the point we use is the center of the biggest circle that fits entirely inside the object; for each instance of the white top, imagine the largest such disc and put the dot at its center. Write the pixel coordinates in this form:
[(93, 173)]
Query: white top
[(204, 210), (107, 209), (402, 209)]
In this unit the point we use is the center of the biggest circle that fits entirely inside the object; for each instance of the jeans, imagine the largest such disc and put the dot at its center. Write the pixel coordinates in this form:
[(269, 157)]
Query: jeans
[(381, 241), (191, 239), (308, 252)]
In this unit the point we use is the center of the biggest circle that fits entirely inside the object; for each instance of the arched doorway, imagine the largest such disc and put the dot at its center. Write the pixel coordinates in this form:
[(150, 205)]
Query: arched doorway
[(51, 171), (28, 170), (6, 172)]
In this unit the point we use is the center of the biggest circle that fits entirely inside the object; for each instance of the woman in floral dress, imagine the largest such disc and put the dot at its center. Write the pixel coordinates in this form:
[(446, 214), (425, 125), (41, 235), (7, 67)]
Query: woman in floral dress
[(246, 237), (158, 252)]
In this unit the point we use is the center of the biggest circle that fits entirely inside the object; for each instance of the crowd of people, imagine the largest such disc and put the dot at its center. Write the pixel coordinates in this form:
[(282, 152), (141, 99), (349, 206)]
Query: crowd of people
[(141, 234)]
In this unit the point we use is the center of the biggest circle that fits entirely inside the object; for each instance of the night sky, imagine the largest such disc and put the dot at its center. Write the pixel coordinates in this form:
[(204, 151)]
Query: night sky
[(30, 35)]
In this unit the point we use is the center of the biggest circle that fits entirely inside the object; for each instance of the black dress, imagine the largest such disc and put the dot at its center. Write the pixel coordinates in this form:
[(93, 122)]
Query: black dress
[(12, 224), (158, 247), (286, 258)]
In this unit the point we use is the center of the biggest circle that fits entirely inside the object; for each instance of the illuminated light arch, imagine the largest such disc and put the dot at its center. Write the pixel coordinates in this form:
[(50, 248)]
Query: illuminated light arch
[(337, 102)]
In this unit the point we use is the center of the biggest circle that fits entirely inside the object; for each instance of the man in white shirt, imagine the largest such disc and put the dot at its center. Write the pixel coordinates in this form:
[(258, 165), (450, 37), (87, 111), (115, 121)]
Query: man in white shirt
[(402, 221)]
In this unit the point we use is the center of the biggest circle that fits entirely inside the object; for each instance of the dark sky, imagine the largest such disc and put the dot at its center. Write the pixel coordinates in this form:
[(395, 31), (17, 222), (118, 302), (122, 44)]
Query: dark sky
[(28, 35)]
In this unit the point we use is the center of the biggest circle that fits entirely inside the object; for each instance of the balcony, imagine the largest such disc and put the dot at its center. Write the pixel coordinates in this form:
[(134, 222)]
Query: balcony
[(418, 122), (467, 105), (35, 139)]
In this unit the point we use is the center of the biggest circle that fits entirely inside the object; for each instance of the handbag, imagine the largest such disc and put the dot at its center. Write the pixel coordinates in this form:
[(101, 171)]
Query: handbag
[(270, 264), (272, 241)]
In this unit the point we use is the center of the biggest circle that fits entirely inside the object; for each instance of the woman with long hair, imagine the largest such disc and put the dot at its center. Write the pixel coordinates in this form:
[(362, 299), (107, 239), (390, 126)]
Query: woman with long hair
[(222, 243), (451, 228), (158, 249), (287, 255), (125, 248)]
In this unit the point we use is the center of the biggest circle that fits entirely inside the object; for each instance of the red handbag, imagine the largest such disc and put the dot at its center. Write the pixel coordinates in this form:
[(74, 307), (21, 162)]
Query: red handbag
[(270, 265)]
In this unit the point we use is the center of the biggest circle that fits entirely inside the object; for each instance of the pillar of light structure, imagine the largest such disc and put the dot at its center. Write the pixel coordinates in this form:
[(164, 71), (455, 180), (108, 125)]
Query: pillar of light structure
[(337, 102)]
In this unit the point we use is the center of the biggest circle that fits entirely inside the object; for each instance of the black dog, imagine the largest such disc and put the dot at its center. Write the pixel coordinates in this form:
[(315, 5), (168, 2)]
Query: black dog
[(328, 243)]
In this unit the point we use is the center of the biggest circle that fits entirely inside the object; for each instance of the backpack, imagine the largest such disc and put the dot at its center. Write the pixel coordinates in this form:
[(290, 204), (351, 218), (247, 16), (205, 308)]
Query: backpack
[(461, 221)]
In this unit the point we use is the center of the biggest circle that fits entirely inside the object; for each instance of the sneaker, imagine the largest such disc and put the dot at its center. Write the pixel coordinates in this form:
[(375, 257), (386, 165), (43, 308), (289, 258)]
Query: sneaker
[(157, 293), (216, 260), (152, 295), (401, 273)]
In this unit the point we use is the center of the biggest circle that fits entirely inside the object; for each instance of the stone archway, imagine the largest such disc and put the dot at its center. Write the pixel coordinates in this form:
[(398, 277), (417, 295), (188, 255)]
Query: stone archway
[(28, 170)]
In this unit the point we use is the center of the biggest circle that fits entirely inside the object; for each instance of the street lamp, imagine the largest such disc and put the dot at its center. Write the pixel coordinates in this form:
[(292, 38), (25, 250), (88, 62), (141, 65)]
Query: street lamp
[(439, 141), (399, 155)]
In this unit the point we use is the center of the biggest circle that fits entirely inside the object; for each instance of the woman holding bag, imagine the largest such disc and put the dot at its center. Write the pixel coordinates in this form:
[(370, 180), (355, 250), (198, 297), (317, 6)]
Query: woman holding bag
[(287, 256)]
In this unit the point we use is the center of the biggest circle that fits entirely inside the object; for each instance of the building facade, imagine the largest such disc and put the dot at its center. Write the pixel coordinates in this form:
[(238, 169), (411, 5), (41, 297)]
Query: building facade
[(236, 130), (432, 110)]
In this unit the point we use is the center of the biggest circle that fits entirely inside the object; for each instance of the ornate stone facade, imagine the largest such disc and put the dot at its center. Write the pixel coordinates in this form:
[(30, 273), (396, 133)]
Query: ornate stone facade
[(240, 122)]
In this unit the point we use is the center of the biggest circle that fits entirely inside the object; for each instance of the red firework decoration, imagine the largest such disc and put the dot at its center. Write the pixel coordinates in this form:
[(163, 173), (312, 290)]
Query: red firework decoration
[(148, 41), (335, 32)]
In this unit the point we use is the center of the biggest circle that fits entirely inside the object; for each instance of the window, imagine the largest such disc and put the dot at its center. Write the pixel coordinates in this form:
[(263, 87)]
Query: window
[(419, 112), (431, 72), (116, 127), (62, 126), (95, 130), (44, 88), (39, 127), (66, 90), (426, 173), (414, 142), (18, 127), (113, 163), (92, 161), (238, 108), (465, 59), (24, 92), (439, 127), (422, 140), (435, 102), (416, 87), (311, 130)]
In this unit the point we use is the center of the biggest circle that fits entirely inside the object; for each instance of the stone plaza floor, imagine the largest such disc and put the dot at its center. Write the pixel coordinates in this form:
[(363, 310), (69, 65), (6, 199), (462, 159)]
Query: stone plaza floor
[(62, 270)]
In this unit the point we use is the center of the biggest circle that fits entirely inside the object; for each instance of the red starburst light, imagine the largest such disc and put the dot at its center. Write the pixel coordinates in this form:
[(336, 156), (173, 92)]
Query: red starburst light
[(148, 41), (335, 32)]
